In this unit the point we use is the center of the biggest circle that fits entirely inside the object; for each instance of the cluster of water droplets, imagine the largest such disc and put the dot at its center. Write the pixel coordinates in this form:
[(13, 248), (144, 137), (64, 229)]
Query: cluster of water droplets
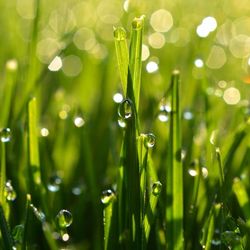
[(5, 135), (9, 191)]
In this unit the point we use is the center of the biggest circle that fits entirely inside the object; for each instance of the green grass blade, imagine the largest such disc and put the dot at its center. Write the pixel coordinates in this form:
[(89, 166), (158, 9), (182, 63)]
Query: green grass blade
[(6, 235), (135, 63), (242, 197), (34, 160), (175, 145), (122, 55), (26, 219), (151, 208), (10, 79), (108, 200), (3, 174)]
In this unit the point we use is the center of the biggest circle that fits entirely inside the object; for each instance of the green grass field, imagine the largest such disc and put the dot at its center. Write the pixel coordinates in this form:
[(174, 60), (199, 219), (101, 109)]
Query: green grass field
[(125, 124)]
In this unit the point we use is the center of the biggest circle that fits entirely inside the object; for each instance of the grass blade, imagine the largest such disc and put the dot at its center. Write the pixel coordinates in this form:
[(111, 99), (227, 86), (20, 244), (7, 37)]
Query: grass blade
[(10, 79), (6, 235), (26, 219), (242, 197), (122, 55), (175, 172), (135, 63)]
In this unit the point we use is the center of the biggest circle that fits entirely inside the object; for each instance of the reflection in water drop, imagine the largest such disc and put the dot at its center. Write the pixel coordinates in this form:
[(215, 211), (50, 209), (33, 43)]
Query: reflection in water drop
[(163, 116), (64, 218), (9, 192), (107, 196), (121, 123), (5, 135), (156, 188)]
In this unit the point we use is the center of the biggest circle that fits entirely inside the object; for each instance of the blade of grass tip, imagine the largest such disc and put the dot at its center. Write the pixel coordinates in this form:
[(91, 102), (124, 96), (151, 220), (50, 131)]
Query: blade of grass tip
[(108, 200), (122, 55), (6, 235), (176, 191), (26, 219), (242, 197), (36, 185), (10, 79), (135, 62), (48, 233)]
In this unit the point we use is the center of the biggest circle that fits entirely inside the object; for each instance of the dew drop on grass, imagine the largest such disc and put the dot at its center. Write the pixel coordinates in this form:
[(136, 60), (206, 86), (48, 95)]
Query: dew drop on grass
[(65, 237), (64, 218), (79, 121), (5, 135), (107, 196), (120, 34), (188, 115), (38, 213), (156, 188), (163, 116), (9, 192), (149, 140), (125, 109), (192, 172), (54, 183)]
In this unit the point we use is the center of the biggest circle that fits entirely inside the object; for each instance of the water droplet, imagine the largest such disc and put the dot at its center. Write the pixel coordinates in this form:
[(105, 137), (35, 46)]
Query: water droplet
[(117, 98), (125, 109), (204, 172), (149, 140), (44, 132), (79, 121), (54, 183), (5, 135), (9, 192), (163, 116), (156, 188), (216, 240), (121, 123), (64, 218), (107, 196), (38, 213), (79, 189), (192, 172), (188, 115)]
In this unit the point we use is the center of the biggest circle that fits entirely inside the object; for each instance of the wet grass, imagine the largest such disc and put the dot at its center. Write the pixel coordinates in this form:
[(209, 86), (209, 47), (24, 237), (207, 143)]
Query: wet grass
[(164, 167)]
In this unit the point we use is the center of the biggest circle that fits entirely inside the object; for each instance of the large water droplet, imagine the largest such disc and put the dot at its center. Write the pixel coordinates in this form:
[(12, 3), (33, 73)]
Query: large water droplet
[(156, 188), (149, 140), (107, 196), (64, 218), (9, 192), (125, 109), (54, 183), (5, 135)]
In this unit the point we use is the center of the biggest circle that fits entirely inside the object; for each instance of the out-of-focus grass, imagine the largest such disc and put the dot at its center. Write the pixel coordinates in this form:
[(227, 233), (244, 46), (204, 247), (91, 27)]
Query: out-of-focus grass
[(80, 141)]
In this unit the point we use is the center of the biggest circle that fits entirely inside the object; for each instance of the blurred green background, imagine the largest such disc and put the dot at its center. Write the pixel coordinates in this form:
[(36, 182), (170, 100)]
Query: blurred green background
[(65, 55)]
